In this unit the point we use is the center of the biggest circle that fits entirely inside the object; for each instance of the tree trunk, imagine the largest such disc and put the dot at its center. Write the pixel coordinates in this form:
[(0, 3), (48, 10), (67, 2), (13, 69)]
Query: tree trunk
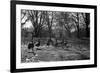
[(78, 31), (78, 28), (87, 21)]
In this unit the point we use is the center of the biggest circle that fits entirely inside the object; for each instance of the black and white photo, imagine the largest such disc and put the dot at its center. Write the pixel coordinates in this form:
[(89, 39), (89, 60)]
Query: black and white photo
[(54, 36)]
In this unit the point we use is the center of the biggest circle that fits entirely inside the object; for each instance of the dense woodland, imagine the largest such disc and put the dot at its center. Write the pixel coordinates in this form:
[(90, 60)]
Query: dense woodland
[(55, 26)]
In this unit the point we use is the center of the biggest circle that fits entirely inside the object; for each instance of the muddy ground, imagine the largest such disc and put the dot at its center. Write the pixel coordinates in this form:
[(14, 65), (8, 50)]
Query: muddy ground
[(75, 50)]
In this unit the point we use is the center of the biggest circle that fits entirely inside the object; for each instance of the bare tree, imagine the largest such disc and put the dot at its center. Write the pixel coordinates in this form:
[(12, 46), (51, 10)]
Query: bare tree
[(49, 19), (37, 18), (86, 17), (76, 18)]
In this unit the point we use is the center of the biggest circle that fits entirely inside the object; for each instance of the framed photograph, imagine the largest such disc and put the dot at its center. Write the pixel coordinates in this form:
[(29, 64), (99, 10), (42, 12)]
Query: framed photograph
[(52, 36)]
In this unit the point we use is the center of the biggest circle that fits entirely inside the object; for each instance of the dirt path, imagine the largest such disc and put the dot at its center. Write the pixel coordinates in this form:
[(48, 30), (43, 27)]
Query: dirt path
[(55, 54)]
